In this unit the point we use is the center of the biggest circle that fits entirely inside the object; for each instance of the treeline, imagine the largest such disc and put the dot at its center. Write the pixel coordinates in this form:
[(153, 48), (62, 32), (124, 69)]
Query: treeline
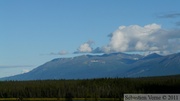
[(89, 88)]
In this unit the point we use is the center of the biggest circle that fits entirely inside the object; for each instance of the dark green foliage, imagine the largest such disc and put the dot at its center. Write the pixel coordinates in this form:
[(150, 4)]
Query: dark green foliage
[(89, 88)]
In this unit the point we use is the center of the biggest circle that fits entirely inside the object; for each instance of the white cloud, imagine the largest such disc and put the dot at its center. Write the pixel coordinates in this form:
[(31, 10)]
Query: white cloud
[(147, 38), (140, 46), (151, 38), (85, 47), (62, 52)]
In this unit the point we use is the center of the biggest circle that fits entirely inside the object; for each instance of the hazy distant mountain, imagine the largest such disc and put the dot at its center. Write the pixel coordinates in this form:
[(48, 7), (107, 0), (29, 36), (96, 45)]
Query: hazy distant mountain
[(107, 65)]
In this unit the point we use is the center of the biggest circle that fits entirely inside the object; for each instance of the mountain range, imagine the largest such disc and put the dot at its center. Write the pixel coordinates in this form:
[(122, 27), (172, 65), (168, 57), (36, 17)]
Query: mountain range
[(106, 65)]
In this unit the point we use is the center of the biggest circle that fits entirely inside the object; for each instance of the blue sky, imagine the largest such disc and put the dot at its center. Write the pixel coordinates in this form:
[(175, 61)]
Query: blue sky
[(33, 32)]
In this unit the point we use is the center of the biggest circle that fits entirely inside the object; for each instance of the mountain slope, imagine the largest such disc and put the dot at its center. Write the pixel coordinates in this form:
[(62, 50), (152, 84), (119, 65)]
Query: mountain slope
[(159, 66), (81, 67), (107, 65), (152, 56)]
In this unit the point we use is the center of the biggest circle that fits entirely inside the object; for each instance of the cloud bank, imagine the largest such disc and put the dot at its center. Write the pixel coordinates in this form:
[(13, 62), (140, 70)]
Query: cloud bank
[(151, 38), (135, 38)]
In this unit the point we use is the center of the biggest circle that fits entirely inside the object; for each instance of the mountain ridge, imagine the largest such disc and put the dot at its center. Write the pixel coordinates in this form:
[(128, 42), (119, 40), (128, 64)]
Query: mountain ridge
[(106, 65)]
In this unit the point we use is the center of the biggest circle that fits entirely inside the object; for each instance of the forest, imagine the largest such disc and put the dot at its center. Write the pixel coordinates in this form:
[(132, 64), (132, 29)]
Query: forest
[(89, 88)]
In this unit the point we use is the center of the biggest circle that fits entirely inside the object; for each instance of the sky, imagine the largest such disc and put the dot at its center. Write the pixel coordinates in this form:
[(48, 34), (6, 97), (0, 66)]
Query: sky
[(33, 32)]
